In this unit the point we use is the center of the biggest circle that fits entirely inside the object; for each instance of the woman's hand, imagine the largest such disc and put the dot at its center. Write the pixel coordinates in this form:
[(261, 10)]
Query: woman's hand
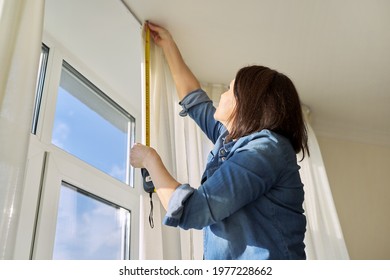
[(160, 35), (140, 155), (145, 157)]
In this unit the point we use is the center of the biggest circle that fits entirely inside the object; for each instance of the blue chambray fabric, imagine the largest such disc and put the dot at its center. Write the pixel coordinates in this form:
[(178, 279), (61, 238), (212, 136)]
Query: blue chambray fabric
[(249, 203)]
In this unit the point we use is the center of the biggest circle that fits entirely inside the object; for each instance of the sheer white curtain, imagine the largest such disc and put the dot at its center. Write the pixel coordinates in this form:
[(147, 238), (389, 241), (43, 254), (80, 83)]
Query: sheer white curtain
[(161, 242), (184, 148), (21, 24), (324, 237)]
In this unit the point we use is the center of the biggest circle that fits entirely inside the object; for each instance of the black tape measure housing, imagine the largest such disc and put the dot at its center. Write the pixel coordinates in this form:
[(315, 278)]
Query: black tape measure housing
[(147, 181)]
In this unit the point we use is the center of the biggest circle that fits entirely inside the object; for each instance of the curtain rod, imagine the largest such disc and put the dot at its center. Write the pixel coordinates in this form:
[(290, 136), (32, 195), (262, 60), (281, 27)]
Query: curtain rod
[(132, 13)]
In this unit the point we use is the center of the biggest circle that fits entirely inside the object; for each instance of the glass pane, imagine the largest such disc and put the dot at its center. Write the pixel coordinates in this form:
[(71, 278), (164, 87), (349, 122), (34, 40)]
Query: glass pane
[(89, 228), (92, 127), (39, 86)]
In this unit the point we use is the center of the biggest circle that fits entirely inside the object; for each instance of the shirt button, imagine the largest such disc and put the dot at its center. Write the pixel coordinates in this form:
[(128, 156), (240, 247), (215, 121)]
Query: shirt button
[(222, 152), (223, 158)]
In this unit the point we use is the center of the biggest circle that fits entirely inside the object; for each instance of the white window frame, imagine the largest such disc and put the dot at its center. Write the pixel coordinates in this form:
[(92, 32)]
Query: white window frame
[(48, 166)]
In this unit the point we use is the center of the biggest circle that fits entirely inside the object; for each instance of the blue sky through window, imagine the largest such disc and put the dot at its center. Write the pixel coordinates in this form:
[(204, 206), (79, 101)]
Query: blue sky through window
[(89, 228), (91, 127), (84, 133)]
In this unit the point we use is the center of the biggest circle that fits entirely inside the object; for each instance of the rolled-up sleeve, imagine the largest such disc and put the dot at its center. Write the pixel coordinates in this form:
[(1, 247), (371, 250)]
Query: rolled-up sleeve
[(193, 98), (200, 108), (176, 204)]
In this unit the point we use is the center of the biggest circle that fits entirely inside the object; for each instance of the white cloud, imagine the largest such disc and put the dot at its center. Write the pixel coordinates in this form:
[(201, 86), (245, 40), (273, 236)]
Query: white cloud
[(118, 172), (61, 134), (93, 230)]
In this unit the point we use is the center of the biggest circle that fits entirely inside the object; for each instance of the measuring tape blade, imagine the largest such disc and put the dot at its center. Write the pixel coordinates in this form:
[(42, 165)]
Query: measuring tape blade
[(147, 85), (147, 181)]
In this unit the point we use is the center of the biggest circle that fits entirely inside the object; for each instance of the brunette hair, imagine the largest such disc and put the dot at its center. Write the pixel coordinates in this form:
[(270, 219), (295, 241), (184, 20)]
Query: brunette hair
[(267, 99)]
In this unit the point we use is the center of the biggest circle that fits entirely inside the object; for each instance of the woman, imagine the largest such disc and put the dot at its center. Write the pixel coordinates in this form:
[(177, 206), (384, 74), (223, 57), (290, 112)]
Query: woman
[(250, 199)]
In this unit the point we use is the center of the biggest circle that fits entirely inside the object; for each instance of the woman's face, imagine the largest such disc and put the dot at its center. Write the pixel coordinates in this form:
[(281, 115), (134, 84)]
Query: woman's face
[(226, 106)]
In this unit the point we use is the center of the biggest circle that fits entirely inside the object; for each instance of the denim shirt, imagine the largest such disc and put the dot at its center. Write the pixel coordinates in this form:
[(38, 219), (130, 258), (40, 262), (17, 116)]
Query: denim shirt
[(249, 203)]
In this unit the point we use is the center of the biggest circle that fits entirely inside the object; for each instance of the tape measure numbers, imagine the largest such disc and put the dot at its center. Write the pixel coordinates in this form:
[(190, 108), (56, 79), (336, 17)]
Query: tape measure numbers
[(147, 85)]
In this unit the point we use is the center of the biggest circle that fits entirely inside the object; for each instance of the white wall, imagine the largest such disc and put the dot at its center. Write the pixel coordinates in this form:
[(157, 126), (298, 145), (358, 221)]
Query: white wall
[(359, 175)]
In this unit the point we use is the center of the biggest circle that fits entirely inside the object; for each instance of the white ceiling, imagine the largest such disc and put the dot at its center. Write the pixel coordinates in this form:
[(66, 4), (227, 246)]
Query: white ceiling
[(336, 52)]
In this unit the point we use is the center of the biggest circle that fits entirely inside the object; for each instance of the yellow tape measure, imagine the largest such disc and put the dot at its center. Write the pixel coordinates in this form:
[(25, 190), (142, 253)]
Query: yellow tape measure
[(147, 180), (147, 85)]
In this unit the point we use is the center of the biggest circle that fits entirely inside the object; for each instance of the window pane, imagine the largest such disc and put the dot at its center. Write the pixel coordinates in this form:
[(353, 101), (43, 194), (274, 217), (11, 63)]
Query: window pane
[(39, 86), (92, 127), (90, 228)]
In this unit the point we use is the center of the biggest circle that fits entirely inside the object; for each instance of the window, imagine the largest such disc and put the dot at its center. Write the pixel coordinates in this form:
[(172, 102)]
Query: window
[(78, 175), (83, 213), (89, 227), (79, 172), (90, 126), (39, 87)]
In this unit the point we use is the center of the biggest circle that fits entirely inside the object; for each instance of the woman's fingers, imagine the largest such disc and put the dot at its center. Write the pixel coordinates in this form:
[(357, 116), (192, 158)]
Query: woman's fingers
[(160, 35)]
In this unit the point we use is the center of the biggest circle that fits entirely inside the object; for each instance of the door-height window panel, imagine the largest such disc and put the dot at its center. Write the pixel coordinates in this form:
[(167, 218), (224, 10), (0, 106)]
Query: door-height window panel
[(92, 127), (39, 86), (90, 228)]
